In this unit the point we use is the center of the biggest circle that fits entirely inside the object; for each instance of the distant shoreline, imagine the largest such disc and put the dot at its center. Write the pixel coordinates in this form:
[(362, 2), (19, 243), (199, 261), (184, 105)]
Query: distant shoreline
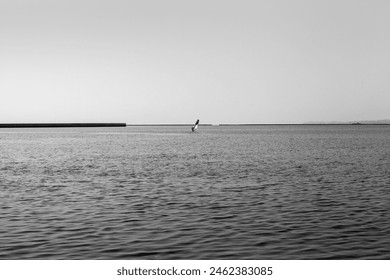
[(51, 125), (329, 124), (64, 125), (258, 124)]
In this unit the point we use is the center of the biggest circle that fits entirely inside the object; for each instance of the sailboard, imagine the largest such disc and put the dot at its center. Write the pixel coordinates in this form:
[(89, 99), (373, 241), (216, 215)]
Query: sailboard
[(195, 127)]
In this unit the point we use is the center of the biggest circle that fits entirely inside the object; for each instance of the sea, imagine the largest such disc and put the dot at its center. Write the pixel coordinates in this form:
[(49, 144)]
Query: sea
[(265, 192)]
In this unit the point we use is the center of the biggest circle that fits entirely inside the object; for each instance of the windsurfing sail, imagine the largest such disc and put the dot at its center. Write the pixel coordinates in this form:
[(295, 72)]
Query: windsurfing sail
[(195, 126)]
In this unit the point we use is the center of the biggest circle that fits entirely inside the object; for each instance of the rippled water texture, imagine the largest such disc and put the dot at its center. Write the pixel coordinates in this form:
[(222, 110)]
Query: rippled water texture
[(261, 192)]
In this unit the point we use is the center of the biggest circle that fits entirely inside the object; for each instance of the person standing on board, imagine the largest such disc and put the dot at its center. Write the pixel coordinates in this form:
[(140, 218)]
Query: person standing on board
[(195, 126)]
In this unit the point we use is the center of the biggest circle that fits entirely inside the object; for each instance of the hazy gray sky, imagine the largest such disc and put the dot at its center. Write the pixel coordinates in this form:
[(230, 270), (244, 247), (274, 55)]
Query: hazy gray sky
[(156, 61)]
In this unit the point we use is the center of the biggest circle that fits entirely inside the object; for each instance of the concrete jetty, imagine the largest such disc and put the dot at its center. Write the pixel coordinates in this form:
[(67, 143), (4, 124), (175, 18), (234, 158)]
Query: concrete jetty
[(47, 125)]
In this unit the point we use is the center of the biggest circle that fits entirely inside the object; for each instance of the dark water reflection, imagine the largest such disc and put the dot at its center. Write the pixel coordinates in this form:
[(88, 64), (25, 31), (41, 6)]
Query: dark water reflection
[(268, 192)]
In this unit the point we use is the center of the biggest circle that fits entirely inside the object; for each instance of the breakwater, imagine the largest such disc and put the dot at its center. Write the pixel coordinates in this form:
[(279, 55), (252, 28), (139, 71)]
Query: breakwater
[(35, 125)]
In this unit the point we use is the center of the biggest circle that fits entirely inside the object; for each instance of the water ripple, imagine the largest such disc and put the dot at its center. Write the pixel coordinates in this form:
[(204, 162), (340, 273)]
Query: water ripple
[(224, 193)]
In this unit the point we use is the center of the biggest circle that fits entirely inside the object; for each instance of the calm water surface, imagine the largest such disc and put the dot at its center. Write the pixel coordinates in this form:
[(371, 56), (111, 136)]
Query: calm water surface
[(261, 192)]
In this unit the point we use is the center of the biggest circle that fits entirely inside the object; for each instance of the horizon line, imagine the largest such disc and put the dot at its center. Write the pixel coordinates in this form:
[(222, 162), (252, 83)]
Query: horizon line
[(123, 124)]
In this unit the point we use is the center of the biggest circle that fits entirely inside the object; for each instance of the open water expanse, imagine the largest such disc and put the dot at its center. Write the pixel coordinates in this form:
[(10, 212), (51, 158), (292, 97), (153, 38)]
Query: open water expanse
[(231, 192)]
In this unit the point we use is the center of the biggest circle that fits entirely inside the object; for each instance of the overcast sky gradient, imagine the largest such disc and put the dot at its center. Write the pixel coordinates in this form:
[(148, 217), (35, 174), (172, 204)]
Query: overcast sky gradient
[(173, 61)]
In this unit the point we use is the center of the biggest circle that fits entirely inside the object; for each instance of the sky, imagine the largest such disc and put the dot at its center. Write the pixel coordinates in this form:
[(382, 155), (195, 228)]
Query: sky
[(175, 61)]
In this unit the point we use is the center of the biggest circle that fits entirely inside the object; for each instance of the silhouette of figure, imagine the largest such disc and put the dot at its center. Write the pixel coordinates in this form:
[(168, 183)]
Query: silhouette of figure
[(195, 126)]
